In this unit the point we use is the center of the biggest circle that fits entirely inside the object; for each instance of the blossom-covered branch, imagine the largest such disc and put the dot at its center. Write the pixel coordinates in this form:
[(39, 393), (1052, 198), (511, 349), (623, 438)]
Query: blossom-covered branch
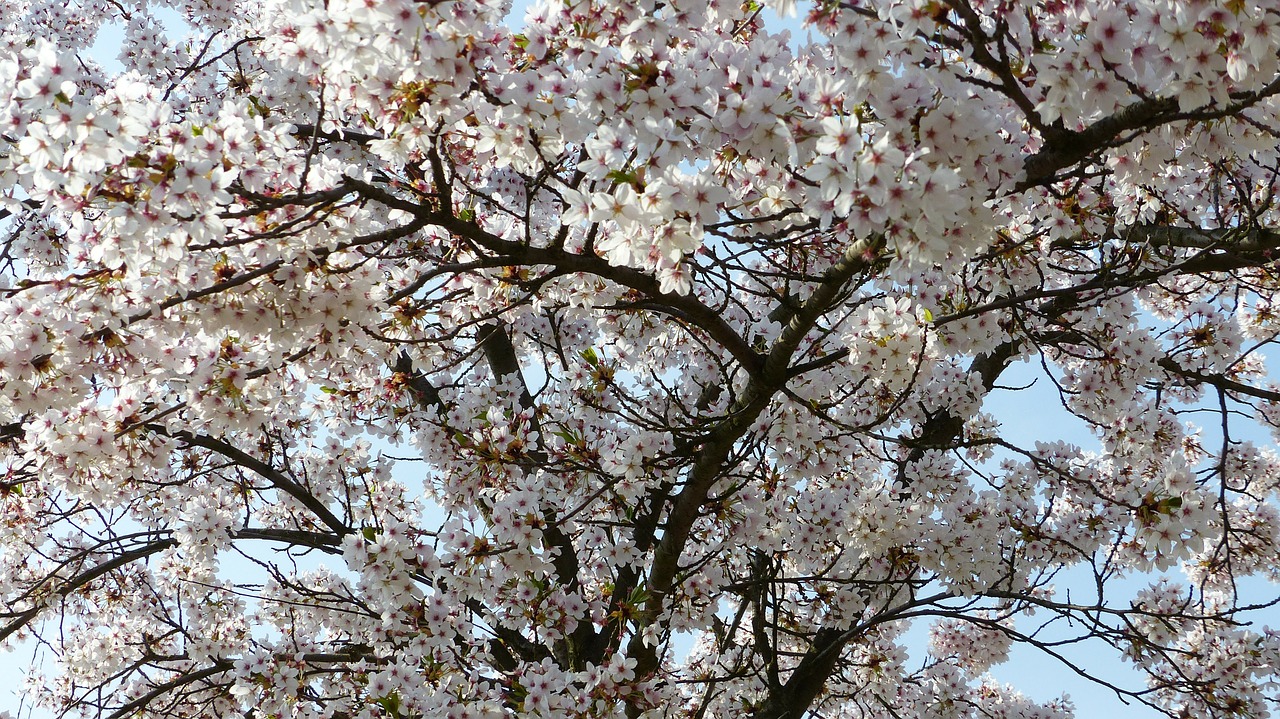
[(638, 359)]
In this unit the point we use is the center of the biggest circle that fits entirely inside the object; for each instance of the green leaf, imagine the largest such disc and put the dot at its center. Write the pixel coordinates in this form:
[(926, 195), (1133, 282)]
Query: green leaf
[(370, 534), (390, 702), (256, 106), (622, 177), (589, 354)]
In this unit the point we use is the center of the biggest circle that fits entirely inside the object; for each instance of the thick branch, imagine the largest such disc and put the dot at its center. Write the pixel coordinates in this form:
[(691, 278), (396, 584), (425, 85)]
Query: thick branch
[(1195, 377), (1220, 250), (685, 307), (941, 429), (277, 478), (177, 682), (793, 700), (500, 353), (709, 461), (23, 618), (1068, 148)]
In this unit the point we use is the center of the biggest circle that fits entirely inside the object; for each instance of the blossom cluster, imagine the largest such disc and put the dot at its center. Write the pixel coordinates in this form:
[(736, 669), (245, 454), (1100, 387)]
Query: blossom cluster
[(381, 359)]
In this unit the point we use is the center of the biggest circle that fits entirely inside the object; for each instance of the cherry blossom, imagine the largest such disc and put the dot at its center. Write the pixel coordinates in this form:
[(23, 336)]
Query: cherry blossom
[(638, 359)]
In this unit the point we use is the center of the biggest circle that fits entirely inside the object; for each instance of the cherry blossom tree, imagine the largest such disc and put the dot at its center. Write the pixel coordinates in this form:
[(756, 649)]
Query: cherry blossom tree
[(631, 357)]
